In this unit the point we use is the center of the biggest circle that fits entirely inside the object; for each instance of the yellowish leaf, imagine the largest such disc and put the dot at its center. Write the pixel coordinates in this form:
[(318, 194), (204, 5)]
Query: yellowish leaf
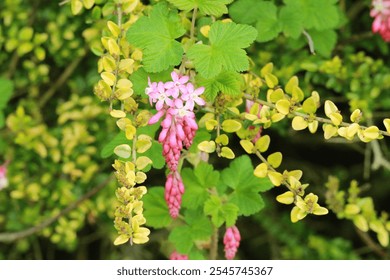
[(226, 152), (247, 145), (207, 146), (299, 123), (275, 159), (231, 125), (261, 170)]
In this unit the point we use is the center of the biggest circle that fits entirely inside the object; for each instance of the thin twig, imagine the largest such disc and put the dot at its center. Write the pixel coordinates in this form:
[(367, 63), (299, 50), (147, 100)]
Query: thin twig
[(310, 42), (372, 244), (61, 80), (12, 236)]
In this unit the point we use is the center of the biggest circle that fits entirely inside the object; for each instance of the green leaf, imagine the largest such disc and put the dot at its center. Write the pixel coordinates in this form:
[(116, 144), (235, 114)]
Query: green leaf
[(227, 82), (291, 20), (324, 41), (208, 7), (6, 90), (268, 25), (196, 182), (221, 213), (156, 210), (140, 79), (225, 51), (2, 120), (318, 14), (239, 177), (247, 11), (182, 239), (198, 227), (156, 35)]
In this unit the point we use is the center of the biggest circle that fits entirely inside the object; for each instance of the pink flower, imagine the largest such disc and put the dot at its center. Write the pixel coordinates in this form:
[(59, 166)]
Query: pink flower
[(381, 14), (177, 84), (192, 96), (176, 256), (231, 240)]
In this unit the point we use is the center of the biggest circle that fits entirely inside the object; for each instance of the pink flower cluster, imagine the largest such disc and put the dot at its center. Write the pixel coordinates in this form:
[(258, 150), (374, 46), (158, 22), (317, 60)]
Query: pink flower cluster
[(176, 256), (231, 240), (175, 101), (3, 176), (381, 14)]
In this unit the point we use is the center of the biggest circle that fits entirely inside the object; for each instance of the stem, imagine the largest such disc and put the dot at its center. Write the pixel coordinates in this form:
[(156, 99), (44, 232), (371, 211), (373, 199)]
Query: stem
[(214, 244), (309, 41), (193, 21), (12, 236), (306, 116), (116, 71), (60, 81), (372, 244)]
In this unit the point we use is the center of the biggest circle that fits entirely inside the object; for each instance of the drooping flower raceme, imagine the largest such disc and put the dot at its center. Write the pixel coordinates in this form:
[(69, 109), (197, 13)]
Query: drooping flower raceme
[(381, 13), (231, 240), (175, 101)]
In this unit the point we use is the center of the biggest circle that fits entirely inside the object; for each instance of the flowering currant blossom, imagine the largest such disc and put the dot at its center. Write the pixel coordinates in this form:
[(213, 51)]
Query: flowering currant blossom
[(3, 176), (175, 101), (381, 14), (231, 240), (176, 256)]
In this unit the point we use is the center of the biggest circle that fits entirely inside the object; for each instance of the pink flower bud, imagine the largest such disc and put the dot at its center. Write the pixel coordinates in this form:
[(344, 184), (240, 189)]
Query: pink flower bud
[(231, 240)]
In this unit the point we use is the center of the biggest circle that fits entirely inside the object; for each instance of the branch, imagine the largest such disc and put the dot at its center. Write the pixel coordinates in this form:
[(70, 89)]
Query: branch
[(371, 244), (310, 42), (61, 80), (12, 236), (306, 116)]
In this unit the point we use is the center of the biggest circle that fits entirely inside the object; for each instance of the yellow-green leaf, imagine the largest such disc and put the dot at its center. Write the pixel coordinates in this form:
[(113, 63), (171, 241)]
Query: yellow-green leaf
[(309, 105), (262, 143), (330, 108), (276, 95), (361, 223), (108, 77), (275, 177), (207, 146), (247, 145), (222, 139), (261, 170), (231, 125), (266, 69), (275, 159), (386, 123), (299, 123), (121, 239), (356, 116), (286, 198), (117, 114), (142, 162), (123, 151), (297, 94), (114, 28), (76, 6), (271, 80), (283, 106), (293, 82), (226, 152), (329, 131)]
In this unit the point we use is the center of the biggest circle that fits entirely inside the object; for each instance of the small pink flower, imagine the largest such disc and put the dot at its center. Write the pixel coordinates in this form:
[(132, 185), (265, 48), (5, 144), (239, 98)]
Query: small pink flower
[(231, 240), (192, 96), (176, 256), (177, 84), (381, 14)]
